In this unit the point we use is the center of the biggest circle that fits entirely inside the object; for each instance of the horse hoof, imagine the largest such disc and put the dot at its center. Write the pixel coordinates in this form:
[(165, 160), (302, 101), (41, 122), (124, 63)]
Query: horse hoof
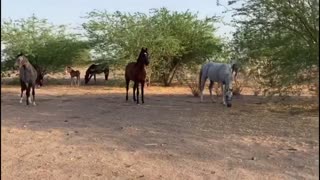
[(34, 104), (20, 102)]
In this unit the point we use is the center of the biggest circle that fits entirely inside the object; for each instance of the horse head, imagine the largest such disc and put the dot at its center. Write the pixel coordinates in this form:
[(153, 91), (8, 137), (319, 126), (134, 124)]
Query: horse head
[(229, 92), (67, 70), (144, 57), (20, 60)]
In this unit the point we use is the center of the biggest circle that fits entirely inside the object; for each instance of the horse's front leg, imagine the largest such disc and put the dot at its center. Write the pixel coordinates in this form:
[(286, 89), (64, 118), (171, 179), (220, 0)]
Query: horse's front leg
[(90, 77), (28, 100), (71, 79), (95, 80), (137, 92), (33, 96), (21, 95), (142, 91), (223, 94)]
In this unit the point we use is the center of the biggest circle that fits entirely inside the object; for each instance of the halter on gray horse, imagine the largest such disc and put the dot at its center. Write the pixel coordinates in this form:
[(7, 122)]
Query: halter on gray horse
[(217, 72), (28, 76)]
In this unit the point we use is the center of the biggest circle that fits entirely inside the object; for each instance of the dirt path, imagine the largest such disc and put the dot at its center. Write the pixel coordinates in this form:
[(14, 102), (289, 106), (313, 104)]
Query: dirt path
[(92, 133)]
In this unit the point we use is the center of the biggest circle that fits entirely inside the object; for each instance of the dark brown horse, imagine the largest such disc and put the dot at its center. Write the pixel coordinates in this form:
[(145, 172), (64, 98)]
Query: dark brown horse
[(41, 72), (135, 71), (74, 74), (96, 69)]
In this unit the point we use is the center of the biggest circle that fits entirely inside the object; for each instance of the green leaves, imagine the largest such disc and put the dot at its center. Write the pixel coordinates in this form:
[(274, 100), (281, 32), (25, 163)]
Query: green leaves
[(47, 45), (279, 41), (173, 39)]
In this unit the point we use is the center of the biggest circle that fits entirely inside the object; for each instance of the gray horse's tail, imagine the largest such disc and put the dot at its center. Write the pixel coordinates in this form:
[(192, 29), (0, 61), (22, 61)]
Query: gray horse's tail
[(200, 74)]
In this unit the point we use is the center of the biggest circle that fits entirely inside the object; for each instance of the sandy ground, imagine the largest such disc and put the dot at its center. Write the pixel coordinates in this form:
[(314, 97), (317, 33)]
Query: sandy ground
[(92, 133)]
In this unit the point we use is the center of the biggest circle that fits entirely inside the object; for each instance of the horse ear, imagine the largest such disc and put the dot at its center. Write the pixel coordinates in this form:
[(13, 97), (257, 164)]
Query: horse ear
[(142, 49), (147, 49)]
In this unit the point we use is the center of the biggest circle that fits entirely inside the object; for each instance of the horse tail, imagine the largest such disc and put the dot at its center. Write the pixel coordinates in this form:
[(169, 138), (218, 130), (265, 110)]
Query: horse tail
[(200, 74)]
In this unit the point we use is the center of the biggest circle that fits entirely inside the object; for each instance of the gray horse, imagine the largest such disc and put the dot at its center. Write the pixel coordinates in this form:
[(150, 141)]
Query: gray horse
[(217, 72), (28, 76)]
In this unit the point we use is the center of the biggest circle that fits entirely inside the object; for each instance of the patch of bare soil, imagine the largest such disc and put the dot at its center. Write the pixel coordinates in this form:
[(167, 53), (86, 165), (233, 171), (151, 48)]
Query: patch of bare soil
[(93, 133)]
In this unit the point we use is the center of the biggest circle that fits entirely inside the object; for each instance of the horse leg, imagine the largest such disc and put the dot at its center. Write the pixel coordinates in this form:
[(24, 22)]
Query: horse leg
[(71, 79), (95, 80), (21, 95), (223, 94), (33, 96), (134, 91), (90, 77), (137, 92), (106, 74), (28, 95), (127, 88), (78, 79), (142, 92), (210, 90)]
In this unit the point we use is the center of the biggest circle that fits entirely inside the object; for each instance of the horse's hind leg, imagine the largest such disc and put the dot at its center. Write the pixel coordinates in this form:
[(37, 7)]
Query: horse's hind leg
[(210, 90), (134, 91), (95, 80), (142, 92), (202, 83), (33, 96), (127, 88)]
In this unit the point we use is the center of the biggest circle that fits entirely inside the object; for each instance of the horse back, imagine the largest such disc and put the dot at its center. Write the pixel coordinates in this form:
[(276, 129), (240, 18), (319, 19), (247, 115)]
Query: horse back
[(219, 72)]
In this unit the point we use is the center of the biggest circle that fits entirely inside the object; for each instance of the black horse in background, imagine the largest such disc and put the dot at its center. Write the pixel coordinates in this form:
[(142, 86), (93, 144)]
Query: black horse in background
[(40, 74), (96, 69)]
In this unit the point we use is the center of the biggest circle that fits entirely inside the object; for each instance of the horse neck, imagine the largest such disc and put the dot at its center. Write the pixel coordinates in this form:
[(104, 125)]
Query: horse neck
[(139, 63)]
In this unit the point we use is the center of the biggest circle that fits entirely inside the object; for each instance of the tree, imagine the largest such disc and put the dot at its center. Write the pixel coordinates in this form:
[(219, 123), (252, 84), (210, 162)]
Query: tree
[(46, 45), (174, 39), (279, 41)]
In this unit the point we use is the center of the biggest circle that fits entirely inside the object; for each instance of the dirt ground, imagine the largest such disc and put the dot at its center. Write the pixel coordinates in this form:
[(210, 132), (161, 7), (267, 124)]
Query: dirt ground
[(93, 133)]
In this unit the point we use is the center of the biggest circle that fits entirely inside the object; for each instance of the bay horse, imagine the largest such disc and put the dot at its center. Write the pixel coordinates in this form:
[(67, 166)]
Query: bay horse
[(28, 76), (135, 71), (96, 69), (73, 74), (221, 73)]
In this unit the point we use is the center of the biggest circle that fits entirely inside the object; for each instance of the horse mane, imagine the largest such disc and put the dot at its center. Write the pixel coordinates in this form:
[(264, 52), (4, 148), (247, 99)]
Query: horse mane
[(91, 66), (141, 54)]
